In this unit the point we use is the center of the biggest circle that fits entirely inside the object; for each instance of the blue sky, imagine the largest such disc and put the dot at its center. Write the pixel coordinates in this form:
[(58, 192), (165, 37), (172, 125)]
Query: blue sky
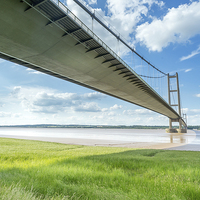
[(166, 33)]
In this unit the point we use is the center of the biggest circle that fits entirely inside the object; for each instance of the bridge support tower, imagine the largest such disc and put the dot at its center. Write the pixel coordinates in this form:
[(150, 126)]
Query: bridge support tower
[(181, 129)]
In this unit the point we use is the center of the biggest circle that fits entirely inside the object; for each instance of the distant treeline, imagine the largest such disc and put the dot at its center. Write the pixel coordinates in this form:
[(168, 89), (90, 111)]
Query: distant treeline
[(87, 126), (194, 127), (96, 126)]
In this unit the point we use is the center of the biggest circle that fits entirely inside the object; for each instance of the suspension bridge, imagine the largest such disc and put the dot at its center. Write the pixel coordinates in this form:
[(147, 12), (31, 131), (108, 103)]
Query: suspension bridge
[(46, 36)]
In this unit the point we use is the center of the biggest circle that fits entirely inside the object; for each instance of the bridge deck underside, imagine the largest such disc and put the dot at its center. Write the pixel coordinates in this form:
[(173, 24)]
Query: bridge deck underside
[(51, 41)]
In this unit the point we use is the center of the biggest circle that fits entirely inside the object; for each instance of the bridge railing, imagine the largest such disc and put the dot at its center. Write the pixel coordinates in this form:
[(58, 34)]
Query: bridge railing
[(93, 35)]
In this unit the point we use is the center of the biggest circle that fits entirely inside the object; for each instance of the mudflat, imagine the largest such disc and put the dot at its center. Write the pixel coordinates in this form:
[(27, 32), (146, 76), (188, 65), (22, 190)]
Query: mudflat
[(158, 139)]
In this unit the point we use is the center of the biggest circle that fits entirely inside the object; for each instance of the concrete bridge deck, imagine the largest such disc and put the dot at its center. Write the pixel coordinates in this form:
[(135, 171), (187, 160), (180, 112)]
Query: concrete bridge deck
[(47, 37)]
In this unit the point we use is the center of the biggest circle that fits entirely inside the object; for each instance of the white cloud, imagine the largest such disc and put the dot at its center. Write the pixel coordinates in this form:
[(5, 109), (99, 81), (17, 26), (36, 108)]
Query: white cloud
[(198, 95), (87, 107), (196, 52), (31, 71), (138, 112), (111, 114), (104, 109), (143, 111), (122, 18), (5, 114), (115, 107), (125, 15), (193, 119), (43, 100), (188, 70), (44, 105), (112, 108), (184, 110), (92, 1), (195, 110), (93, 96), (193, 115), (16, 91), (180, 70), (2, 104), (144, 117), (17, 115), (191, 111), (177, 26)]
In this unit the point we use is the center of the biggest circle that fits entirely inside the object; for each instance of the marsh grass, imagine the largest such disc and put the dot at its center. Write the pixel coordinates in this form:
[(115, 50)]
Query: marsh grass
[(42, 170)]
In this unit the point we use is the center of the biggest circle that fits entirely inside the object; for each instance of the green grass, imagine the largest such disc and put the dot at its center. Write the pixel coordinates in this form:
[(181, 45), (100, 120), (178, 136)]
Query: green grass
[(41, 170)]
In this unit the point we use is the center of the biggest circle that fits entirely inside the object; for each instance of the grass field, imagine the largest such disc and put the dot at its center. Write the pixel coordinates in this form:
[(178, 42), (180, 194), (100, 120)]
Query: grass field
[(41, 170)]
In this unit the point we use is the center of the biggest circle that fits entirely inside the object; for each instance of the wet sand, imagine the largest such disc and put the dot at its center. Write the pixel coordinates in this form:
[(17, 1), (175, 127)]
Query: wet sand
[(194, 145), (176, 141), (108, 143)]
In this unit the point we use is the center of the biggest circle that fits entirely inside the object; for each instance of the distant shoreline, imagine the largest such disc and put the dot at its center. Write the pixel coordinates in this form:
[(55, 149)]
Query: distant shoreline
[(92, 126), (84, 126)]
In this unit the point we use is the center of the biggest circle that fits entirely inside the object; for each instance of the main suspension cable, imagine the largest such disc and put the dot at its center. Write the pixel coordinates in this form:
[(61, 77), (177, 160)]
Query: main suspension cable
[(117, 36)]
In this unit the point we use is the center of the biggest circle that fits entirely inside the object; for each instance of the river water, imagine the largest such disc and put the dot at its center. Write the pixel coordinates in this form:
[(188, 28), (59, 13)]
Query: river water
[(100, 134)]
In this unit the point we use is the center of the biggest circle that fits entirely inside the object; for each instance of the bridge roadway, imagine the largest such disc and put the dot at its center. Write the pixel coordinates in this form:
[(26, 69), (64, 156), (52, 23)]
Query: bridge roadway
[(47, 37)]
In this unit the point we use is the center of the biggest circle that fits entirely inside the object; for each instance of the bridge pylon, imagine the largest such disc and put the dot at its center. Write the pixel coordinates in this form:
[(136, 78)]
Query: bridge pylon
[(181, 128)]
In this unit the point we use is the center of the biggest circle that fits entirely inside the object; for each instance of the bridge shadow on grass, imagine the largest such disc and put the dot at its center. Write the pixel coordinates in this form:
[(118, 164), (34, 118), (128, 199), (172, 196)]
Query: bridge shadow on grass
[(132, 174)]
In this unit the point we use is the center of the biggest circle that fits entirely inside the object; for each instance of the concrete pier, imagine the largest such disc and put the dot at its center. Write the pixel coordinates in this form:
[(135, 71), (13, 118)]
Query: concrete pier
[(174, 130)]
